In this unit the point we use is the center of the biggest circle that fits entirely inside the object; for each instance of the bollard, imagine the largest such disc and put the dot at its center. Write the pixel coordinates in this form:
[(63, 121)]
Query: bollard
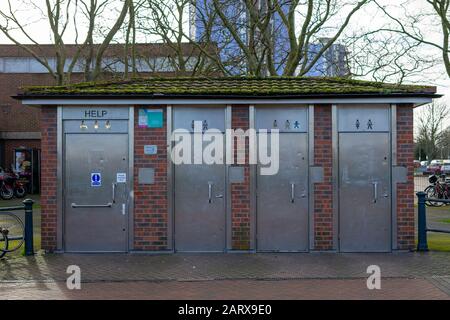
[(29, 250), (422, 244)]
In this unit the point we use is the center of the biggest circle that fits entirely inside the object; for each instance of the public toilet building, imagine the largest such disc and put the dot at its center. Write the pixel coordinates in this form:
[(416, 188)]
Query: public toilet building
[(342, 181)]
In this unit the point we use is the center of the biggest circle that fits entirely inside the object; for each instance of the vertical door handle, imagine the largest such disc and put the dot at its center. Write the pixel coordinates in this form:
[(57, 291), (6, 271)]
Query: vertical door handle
[(375, 191), (209, 191), (114, 192), (292, 192)]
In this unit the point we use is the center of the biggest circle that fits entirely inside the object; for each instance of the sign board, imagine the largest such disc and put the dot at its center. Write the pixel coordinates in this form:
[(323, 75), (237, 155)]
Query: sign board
[(95, 113), (121, 177), (150, 149), (96, 179), (150, 118), (155, 118)]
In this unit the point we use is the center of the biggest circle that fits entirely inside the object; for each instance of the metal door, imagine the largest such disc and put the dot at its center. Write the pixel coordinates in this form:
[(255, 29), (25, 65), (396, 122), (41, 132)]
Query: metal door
[(282, 199), (364, 192), (96, 192), (199, 189)]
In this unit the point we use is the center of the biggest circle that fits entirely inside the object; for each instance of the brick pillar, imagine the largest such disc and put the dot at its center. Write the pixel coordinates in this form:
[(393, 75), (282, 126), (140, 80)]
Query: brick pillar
[(405, 191), (48, 178), (150, 201), (323, 192), (240, 192)]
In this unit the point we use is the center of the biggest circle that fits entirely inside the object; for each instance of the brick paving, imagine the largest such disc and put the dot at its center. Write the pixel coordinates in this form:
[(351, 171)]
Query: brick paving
[(228, 289), (227, 276)]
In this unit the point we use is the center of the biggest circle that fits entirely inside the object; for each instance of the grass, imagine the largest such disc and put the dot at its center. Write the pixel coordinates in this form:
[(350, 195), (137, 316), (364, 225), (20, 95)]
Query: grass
[(438, 241), (445, 221)]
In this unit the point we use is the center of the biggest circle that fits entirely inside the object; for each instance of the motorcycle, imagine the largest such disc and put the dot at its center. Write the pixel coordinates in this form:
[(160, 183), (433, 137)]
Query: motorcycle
[(11, 185), (6, 189)]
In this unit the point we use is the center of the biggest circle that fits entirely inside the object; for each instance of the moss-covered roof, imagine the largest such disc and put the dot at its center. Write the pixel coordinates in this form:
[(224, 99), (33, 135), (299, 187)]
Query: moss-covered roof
[(231, 86)]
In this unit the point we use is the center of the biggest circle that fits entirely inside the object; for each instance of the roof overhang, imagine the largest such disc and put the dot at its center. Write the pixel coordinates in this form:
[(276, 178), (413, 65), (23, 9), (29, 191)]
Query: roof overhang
[(220, 100)]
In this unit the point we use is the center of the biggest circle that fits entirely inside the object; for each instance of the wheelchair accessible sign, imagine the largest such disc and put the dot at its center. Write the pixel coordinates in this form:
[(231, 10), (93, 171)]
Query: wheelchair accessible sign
[(96, 179)]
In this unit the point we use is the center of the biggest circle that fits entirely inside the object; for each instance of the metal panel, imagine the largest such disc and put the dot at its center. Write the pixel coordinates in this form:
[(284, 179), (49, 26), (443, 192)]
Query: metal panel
[(236, 174), (183, 117), (363, 118), (292, 119), (95, 126), (199, 192), (170, 182), (95, 113), (146, 176), (59, 182), (131, 178), (334, 175), (394, 184), (223, 101), (311, 162), (96, 218), (253, 174), (282, 200), (364, 192)]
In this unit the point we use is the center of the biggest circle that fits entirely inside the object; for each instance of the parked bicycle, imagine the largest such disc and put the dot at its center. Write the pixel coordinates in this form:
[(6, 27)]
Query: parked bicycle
[(11, 233), (439, 188)]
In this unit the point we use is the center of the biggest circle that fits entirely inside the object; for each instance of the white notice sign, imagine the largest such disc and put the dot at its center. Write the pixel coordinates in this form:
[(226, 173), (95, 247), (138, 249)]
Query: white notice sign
[(121, 177)]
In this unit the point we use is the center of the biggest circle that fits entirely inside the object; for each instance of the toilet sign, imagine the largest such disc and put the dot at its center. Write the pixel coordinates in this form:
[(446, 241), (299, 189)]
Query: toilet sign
[(96, 179)]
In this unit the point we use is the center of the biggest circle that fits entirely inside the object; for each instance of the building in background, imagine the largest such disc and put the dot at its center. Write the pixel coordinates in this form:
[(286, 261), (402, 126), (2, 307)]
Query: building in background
[(331, 64), (20, 137)]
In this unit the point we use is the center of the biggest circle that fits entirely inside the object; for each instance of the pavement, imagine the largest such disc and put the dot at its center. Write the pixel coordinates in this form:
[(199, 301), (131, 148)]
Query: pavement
[(236, 276), (227, 276)]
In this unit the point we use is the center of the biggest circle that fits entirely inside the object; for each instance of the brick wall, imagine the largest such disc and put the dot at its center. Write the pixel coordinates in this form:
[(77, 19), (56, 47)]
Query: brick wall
[(240, 192), (405, 191), (323, 192), (48, 178), (150, 201)]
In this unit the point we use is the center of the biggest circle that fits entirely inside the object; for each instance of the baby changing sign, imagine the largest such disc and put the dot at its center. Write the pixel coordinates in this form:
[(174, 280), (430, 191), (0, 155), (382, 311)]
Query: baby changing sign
[(96, 179)]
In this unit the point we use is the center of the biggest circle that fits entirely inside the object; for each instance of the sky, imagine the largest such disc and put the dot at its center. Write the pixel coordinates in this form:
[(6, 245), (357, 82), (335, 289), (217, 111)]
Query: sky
[(31, 11)]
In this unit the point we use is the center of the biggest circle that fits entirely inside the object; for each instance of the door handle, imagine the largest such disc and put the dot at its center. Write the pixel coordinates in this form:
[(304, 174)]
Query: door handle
[(113, 193), (375, 191), (219, 196), (292, 192), (108, 205), (209, 192)]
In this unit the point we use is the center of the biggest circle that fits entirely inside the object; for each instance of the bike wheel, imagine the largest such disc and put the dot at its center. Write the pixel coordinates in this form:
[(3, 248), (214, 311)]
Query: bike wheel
[(3, 244), (20, 192), (6, 193), (13, 229), (432, 194)]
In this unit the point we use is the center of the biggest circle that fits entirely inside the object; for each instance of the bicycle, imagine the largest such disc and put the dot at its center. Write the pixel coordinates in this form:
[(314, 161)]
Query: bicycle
[(437, 190), (12, 233)]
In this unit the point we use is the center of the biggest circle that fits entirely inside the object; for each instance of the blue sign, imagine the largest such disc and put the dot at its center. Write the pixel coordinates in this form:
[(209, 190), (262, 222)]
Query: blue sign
[(155, 118), (96, 179)]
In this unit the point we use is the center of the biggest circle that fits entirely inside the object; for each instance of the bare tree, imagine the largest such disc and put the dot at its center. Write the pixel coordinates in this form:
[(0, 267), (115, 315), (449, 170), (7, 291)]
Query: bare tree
[(416, 25), (255, 37), (62, 15), (429, 135)]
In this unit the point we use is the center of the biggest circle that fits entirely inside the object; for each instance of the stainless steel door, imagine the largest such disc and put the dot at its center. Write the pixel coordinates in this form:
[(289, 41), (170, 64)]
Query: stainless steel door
[(96, 216), (364, 192), (199, 190), (282, 199)]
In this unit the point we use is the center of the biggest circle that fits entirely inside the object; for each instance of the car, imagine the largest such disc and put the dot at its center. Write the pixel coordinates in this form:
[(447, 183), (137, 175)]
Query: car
[(435, 167), (445, 168)]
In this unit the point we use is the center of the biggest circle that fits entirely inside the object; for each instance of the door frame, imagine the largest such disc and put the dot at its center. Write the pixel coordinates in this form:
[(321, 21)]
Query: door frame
[(392, 121), (60, 160), (171, 179)]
